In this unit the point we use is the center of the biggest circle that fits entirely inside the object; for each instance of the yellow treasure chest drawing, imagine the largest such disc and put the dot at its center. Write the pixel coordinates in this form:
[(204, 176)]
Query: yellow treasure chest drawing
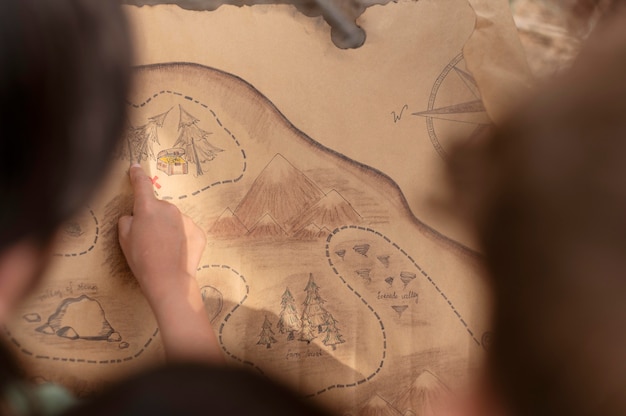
[(172, 161)]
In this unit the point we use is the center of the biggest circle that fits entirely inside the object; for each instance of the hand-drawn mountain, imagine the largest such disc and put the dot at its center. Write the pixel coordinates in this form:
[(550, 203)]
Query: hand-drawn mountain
[(267, 227), (377, 406), (324, 232), (280, 190), (228, 225), (80, 318), (425, 396), (331, 212), (284, 202), (311, 232)]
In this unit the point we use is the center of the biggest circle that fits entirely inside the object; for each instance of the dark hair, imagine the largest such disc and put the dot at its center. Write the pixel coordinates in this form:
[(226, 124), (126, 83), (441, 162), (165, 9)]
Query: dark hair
[(547, 194), (64, 76)]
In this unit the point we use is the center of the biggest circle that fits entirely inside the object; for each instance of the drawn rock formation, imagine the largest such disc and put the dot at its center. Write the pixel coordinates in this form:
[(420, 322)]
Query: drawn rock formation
[(80, 318), (280, 190), (425, 396)]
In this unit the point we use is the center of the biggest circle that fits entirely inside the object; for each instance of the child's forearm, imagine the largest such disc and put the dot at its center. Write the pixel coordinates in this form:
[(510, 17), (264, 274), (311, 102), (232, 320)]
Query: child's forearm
[(184, 325)]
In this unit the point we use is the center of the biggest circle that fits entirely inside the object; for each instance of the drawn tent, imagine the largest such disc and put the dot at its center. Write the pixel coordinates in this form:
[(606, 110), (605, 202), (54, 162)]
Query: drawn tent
[(318, 272)]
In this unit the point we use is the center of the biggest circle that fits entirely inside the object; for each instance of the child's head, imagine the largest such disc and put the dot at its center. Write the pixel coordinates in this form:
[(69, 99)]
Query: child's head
[(64, 75), (548, 196)]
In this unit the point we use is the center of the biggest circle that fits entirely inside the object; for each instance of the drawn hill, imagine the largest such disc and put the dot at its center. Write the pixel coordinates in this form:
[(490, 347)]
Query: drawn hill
[(331, 211), (284, 202), (424, 396), (311, 232), (228, 225), (280, 190), (377, 406), (267, 227)]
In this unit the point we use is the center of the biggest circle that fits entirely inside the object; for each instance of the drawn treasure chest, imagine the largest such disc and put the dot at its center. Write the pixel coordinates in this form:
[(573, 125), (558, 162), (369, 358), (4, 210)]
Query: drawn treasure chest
[(172, 161)]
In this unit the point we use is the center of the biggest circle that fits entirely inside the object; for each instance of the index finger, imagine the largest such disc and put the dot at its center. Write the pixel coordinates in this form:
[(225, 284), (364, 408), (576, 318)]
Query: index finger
[(142, 186)]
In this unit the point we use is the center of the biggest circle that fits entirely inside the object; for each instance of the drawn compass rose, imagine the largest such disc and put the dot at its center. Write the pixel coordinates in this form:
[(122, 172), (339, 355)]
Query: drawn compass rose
[(455, 108)]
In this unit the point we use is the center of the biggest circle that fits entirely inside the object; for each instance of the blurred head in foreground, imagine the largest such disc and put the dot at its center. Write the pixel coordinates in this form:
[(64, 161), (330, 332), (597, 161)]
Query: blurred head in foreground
[(64, 75), (547, 194)]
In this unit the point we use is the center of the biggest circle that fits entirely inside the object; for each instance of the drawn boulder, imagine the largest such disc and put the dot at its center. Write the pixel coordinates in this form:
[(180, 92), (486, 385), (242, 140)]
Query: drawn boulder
[(80, 318)]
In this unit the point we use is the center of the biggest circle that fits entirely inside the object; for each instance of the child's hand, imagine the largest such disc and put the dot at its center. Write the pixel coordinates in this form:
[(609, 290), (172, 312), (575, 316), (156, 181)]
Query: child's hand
[(163, 248), (159, 242)]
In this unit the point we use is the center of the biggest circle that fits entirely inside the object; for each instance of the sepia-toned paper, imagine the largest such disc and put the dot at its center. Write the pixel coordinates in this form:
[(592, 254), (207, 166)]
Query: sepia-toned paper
[(312, 171)]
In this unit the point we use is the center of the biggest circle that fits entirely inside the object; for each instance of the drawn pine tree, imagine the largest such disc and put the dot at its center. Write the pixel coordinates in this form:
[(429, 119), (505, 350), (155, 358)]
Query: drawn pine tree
[(126, 147), (307, 331), (333, 337), (266, 337), (314, 313), (139, 143), (288, 322), (193, 139)]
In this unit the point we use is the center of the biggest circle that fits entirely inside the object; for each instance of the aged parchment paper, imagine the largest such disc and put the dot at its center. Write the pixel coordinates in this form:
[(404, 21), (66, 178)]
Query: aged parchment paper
[(311, 169)]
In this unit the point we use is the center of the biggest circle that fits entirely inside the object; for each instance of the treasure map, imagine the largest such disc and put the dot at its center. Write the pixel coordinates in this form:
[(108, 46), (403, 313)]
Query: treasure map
[(312, 170)]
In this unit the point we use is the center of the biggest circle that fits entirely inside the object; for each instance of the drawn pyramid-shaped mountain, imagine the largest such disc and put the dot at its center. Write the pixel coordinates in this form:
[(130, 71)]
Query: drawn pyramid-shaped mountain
[(332, 211), (377, 406), (280, 190), (424, 396), (324, 232), (310, 232), (228, 225), (267, 227)]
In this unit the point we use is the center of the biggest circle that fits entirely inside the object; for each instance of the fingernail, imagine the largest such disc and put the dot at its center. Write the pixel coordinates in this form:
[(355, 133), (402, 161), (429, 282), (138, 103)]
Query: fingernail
[(135, 165)]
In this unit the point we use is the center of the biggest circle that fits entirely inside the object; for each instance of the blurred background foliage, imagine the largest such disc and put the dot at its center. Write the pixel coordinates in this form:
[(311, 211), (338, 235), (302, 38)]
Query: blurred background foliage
[(552, 31)]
